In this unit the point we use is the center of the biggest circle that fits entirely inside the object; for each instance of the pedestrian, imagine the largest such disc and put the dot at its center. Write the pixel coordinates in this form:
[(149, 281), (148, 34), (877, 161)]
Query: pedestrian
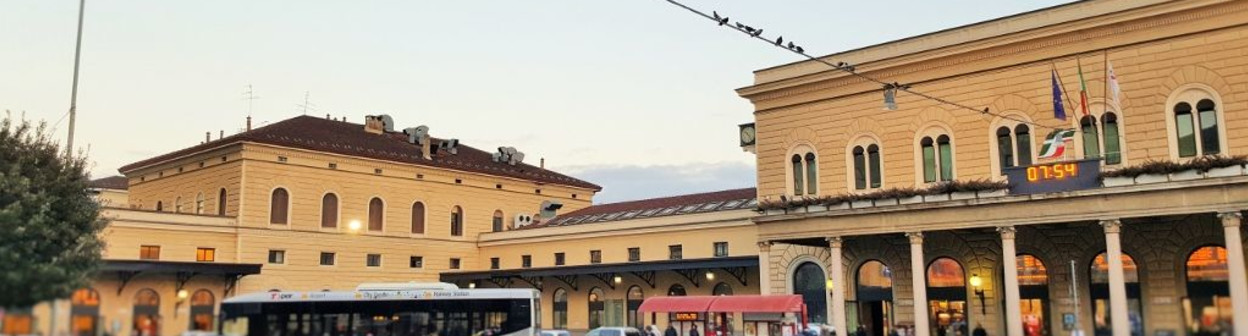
[(979, 330), (693, 331), (671, 331)]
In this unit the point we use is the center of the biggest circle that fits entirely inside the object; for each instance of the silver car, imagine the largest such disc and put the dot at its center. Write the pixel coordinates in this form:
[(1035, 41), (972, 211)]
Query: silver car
[(614, 331), (555, 333)]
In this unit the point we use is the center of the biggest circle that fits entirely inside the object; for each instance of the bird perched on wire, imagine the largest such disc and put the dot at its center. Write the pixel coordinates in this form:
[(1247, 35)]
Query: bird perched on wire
[(740, 26), (720, 20), (799, 49), (757, 33), (780, 41)]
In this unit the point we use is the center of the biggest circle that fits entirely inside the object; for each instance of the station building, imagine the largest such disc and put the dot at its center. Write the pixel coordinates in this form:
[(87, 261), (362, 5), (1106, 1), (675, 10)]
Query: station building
[(310, 204)]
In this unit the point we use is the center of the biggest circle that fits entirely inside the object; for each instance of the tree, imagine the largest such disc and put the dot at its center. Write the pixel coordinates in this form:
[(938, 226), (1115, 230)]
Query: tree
[(49, 223)]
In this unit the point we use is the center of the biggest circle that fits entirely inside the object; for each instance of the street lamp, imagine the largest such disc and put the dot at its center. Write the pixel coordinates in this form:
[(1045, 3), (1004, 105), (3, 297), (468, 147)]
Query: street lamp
[(710, 275), (618, 279), (354, 226), (828, 283), (977, 283)]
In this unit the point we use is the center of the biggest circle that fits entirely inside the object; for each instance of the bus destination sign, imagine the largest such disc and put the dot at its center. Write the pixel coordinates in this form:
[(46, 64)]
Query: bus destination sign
[(1054, 176)]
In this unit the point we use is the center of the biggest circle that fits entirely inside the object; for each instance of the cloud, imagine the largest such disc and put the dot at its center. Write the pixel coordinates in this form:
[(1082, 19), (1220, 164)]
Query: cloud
[(631, 182)]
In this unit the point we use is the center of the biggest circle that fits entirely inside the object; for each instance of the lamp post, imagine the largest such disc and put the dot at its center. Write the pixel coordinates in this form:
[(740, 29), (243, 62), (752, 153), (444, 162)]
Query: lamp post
[(977, 283)]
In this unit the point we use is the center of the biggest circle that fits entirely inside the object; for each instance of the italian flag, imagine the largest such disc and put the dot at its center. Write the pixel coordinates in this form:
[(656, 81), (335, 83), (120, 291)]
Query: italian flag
[(1055, 144), (1083, 90)]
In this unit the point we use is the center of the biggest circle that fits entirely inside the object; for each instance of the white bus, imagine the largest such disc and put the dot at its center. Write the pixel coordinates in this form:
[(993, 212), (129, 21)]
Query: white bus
[(402, 309)]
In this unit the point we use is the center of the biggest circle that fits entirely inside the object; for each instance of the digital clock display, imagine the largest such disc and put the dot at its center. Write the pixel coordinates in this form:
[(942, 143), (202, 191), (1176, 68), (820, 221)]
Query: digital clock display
[(1054, 176), (1057, 171)]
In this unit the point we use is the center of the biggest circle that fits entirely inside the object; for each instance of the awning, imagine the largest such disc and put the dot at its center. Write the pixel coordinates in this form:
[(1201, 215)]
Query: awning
[(182, 271), (677, 304), (756, 304)]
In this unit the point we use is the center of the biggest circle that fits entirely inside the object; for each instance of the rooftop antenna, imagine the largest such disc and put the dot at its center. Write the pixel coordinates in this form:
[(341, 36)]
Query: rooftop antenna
[(307, 104), (73, 95), (250, 96)]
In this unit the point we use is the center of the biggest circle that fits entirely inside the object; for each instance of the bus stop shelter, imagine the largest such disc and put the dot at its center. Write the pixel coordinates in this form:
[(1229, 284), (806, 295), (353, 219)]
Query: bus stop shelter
[(714, 311)]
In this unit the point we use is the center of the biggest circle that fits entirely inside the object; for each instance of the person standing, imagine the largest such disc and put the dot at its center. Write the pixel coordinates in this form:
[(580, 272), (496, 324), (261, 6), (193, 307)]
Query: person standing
[(693, 331), (671, 331), (979, 330)]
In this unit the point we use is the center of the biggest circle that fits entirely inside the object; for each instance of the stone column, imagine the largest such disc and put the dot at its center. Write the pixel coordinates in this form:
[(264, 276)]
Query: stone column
[(1119, 323), (918, 279), (838, 287), (1013, 306), (764, 268), (1231, 221)]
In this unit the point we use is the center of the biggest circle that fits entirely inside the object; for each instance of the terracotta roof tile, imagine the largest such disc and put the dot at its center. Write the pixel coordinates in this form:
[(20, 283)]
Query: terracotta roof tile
[(340, 137), (111, 182), (734, 199)]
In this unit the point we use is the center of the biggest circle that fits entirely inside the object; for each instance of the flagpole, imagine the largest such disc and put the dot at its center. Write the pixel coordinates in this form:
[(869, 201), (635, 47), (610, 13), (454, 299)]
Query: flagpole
[(1105, 86), (73, 96), (1062, 84)]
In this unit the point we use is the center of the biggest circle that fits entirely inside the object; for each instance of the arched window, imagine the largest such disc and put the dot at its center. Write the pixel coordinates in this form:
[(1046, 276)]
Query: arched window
[(418, 218), (497, 223), (809, 282), (676, 290), (457, 221), (329, 211), (146, 312), (177, 205), (1091, 137), (1208, 291), (1099, 290), (160, 206), (937, 158), (560, 318), (866, 161), (1031, 271), (798, 175), (635, 297), (1022, 140), (873, 164), (84, 311), (1209, 139), (202, 305), (279, 206), (221, 202), (376, 214), (199, 203), (1113, 148), (1005, 148), (1185, 129), (597, 309), (812, 174), (860, 167), (946, 293), (722, 288)]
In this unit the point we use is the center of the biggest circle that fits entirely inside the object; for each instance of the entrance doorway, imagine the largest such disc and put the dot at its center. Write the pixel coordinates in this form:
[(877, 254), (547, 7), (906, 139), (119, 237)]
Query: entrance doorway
[(1099, 277), (1033, 290), (84, 312), (597, 309), (146, 313), (946, 294), (810, 283), (1208, 303), (875, 298)]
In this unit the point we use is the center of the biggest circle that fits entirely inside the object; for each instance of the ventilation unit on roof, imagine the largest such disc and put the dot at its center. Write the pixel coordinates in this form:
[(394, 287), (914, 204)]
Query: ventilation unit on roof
[(378, 124), (522, 220), (549, 209), (449, 146), (419, 136), (509, 155)]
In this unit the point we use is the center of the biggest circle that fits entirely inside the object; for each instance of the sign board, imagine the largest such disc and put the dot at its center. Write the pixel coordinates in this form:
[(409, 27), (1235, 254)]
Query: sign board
[(683, 317), (1068, 321), (1054, 176)]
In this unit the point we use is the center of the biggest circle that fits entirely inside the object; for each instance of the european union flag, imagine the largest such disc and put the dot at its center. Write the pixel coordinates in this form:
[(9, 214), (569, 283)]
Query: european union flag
[(1058, 111)]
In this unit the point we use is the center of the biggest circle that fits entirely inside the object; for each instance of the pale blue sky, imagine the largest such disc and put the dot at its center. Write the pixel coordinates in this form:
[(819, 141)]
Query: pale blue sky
[(610, 90)]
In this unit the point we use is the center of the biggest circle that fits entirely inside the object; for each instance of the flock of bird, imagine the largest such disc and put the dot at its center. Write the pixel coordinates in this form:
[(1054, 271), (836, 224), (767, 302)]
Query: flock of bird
[(757, 32)]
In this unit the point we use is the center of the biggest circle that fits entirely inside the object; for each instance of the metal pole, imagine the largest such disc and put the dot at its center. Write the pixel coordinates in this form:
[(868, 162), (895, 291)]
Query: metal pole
[(1074, 294), (73, 96)]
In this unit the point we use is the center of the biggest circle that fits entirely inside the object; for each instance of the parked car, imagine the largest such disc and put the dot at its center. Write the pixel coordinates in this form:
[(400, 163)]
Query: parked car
[(614, 331), (555, 333)]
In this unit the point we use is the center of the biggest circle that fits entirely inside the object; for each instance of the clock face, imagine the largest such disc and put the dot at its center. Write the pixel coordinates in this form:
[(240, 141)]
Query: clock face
[(747, 135)]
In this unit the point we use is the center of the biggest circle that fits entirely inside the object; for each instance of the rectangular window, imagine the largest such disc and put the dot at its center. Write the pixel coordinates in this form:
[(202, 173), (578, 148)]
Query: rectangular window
[(277, 257), (454, 263), (416, 262), (373, 260), (526, 261), (634, 254), (595, 257), (675, 252), (327, 258), (205, 254), (559, 260), (149, 252), (494, 263), (721, 249)]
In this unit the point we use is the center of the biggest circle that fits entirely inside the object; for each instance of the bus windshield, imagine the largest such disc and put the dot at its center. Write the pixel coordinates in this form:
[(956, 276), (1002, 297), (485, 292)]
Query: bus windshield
[(466, 317)]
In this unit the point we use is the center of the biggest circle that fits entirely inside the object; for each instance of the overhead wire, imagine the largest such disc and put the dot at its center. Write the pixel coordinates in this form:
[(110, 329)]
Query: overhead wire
[(848, 68)]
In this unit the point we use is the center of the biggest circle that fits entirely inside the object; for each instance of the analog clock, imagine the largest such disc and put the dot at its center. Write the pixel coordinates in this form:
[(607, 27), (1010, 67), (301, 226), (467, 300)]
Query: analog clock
[(747, 134)]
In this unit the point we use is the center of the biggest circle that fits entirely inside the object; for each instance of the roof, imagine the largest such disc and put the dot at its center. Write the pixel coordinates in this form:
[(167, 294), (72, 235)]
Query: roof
[(111, 182), (622, 267), (161, 266), (723, 304), (345, 138), (733, 199)]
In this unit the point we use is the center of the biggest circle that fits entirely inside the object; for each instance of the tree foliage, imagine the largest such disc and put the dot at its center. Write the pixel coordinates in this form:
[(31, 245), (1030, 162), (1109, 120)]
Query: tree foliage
[(49, 223)]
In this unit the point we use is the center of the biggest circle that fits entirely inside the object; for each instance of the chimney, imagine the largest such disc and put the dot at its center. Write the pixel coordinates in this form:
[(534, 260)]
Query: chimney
[(207, 136), (248, 123), (543, 164), (221, 135), (327, 116)]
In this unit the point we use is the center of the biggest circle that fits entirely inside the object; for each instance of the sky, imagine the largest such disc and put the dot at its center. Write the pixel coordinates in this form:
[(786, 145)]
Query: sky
[(634, 95)]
